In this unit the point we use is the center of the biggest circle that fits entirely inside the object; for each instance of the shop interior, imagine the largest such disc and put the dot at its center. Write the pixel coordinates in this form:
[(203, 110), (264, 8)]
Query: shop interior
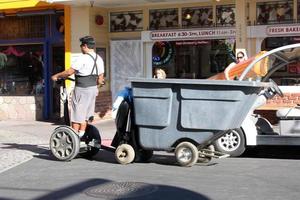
[(196, 59)]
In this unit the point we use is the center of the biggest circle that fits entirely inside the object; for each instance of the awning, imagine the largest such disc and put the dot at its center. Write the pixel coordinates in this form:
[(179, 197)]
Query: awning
[(15, 4)]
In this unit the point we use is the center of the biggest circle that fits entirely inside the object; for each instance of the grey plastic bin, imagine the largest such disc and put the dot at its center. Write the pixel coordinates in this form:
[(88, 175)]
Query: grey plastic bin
[(171, 110)]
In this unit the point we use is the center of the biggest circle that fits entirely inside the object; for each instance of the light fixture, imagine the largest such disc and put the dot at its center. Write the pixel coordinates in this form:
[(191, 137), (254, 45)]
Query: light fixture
[(188, 16), (33, 13), (92, 3)]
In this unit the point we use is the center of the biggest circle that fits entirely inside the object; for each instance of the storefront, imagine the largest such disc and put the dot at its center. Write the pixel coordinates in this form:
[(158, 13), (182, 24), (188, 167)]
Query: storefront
[(31, 49), (195, 54), (274, 36)]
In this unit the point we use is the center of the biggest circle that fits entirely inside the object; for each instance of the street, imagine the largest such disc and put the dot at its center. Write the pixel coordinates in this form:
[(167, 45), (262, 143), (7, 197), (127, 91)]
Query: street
[(248, 177)]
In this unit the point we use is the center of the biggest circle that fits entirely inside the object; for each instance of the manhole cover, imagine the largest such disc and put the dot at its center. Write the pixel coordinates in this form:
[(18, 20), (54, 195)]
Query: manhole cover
[(115, 190)]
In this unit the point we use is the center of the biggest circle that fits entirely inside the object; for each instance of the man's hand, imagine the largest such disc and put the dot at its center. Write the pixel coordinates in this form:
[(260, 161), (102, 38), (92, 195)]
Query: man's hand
[(63, 74), (54, 77), (101, 80)]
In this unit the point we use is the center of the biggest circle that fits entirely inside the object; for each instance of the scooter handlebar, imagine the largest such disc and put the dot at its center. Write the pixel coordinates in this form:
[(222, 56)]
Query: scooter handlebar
[(59, 80)]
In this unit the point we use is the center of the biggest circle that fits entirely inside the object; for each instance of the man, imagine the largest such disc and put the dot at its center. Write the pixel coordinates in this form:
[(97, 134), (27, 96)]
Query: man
[(88, 70)]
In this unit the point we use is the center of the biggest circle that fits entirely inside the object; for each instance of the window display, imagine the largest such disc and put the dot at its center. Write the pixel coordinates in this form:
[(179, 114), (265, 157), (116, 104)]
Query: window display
[(197, 17), (274, 12), (225, 15), (163, 18), (21, 70), (126, 21)]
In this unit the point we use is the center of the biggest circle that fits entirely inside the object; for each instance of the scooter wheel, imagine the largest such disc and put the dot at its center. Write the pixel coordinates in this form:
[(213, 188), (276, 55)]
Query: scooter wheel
[(64, 143), (186, 154), (124, 154)]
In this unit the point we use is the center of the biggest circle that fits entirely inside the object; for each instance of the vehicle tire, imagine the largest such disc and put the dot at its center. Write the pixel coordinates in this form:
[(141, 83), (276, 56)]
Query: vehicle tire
[(64, 143), (186, 154), (91, 133), (232, 143), (124, 154), (143, 155)]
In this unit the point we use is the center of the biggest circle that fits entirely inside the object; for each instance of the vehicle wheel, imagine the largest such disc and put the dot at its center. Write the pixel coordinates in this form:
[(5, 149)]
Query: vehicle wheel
[(186, 154), (232, 143), (91, 133), (206, 159), (64, 143), (143, 155), (124, 154)]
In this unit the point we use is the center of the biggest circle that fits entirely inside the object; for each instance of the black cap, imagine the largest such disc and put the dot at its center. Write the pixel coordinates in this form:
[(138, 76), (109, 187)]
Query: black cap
[(89, 40)]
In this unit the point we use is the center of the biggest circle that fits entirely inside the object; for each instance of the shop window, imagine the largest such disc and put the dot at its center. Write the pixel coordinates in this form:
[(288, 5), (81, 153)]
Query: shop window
[(286, 75), (197, 17), (274, 12), (126, 21), (192, 59), (275, 42), (22, 27), (225, 15), (163, 19), (21, 70)]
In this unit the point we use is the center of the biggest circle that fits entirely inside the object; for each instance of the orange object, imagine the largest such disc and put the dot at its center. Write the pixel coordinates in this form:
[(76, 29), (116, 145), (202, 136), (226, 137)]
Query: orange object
[(234, 71)]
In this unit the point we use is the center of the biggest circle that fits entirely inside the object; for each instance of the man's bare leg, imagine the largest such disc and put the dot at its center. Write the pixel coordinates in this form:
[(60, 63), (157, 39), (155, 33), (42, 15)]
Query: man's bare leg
[(75, 126), (79, 127)]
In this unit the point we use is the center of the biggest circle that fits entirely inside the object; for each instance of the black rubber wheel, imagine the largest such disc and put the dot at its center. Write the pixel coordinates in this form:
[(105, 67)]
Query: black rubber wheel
[(64, 143), (232, 143), (91, 133), (143, 155), (124, 154), (186, 154)]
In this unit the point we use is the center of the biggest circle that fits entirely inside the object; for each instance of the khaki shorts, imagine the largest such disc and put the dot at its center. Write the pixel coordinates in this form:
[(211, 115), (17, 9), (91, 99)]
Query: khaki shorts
[(83, 103)]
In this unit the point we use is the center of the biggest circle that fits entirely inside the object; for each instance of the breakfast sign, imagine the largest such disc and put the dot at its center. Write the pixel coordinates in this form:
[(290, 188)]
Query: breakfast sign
[(192, 34)]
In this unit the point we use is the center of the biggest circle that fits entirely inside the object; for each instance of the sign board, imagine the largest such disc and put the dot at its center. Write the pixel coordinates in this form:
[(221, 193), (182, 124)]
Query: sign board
[(283, 30), (192, 34)]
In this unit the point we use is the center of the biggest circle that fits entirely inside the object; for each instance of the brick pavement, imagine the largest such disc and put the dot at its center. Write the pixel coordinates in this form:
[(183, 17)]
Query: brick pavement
[(22, 140)]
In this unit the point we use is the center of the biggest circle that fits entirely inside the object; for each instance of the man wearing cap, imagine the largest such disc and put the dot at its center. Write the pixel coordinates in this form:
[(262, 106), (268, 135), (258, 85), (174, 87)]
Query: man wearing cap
[(88, 70)]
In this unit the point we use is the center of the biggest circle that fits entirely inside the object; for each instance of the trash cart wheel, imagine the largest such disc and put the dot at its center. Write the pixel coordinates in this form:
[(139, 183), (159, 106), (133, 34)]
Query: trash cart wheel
[(186, 154), (124, 154), (64, 143)]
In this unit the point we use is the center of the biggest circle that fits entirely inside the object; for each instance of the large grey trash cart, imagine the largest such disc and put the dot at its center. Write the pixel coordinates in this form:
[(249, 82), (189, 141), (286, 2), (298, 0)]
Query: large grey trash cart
[(170, 111)]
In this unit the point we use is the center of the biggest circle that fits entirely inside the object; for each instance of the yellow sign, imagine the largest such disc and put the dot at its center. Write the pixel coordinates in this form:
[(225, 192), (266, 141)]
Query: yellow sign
[(15, 4)]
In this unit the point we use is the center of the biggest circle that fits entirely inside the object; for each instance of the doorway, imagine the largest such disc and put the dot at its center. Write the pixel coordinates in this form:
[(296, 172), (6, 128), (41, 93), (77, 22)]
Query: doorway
[(58, 65)]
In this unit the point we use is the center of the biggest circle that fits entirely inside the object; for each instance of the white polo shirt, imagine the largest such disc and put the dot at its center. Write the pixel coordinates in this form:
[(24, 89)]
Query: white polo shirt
[(84, 64)]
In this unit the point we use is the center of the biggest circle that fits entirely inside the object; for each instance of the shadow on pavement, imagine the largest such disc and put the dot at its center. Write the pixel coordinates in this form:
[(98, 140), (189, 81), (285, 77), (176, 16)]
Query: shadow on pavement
[(28, 147), (103, 155), (108, 157), (274, 152), (106, 189)]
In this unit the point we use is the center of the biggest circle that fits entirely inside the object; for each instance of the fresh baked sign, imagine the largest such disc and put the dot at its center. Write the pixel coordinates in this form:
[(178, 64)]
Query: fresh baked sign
[(189, 34), (280, 30)]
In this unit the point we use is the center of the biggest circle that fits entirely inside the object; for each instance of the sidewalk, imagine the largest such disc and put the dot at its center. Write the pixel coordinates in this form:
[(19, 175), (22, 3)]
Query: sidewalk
[(21, 140)]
